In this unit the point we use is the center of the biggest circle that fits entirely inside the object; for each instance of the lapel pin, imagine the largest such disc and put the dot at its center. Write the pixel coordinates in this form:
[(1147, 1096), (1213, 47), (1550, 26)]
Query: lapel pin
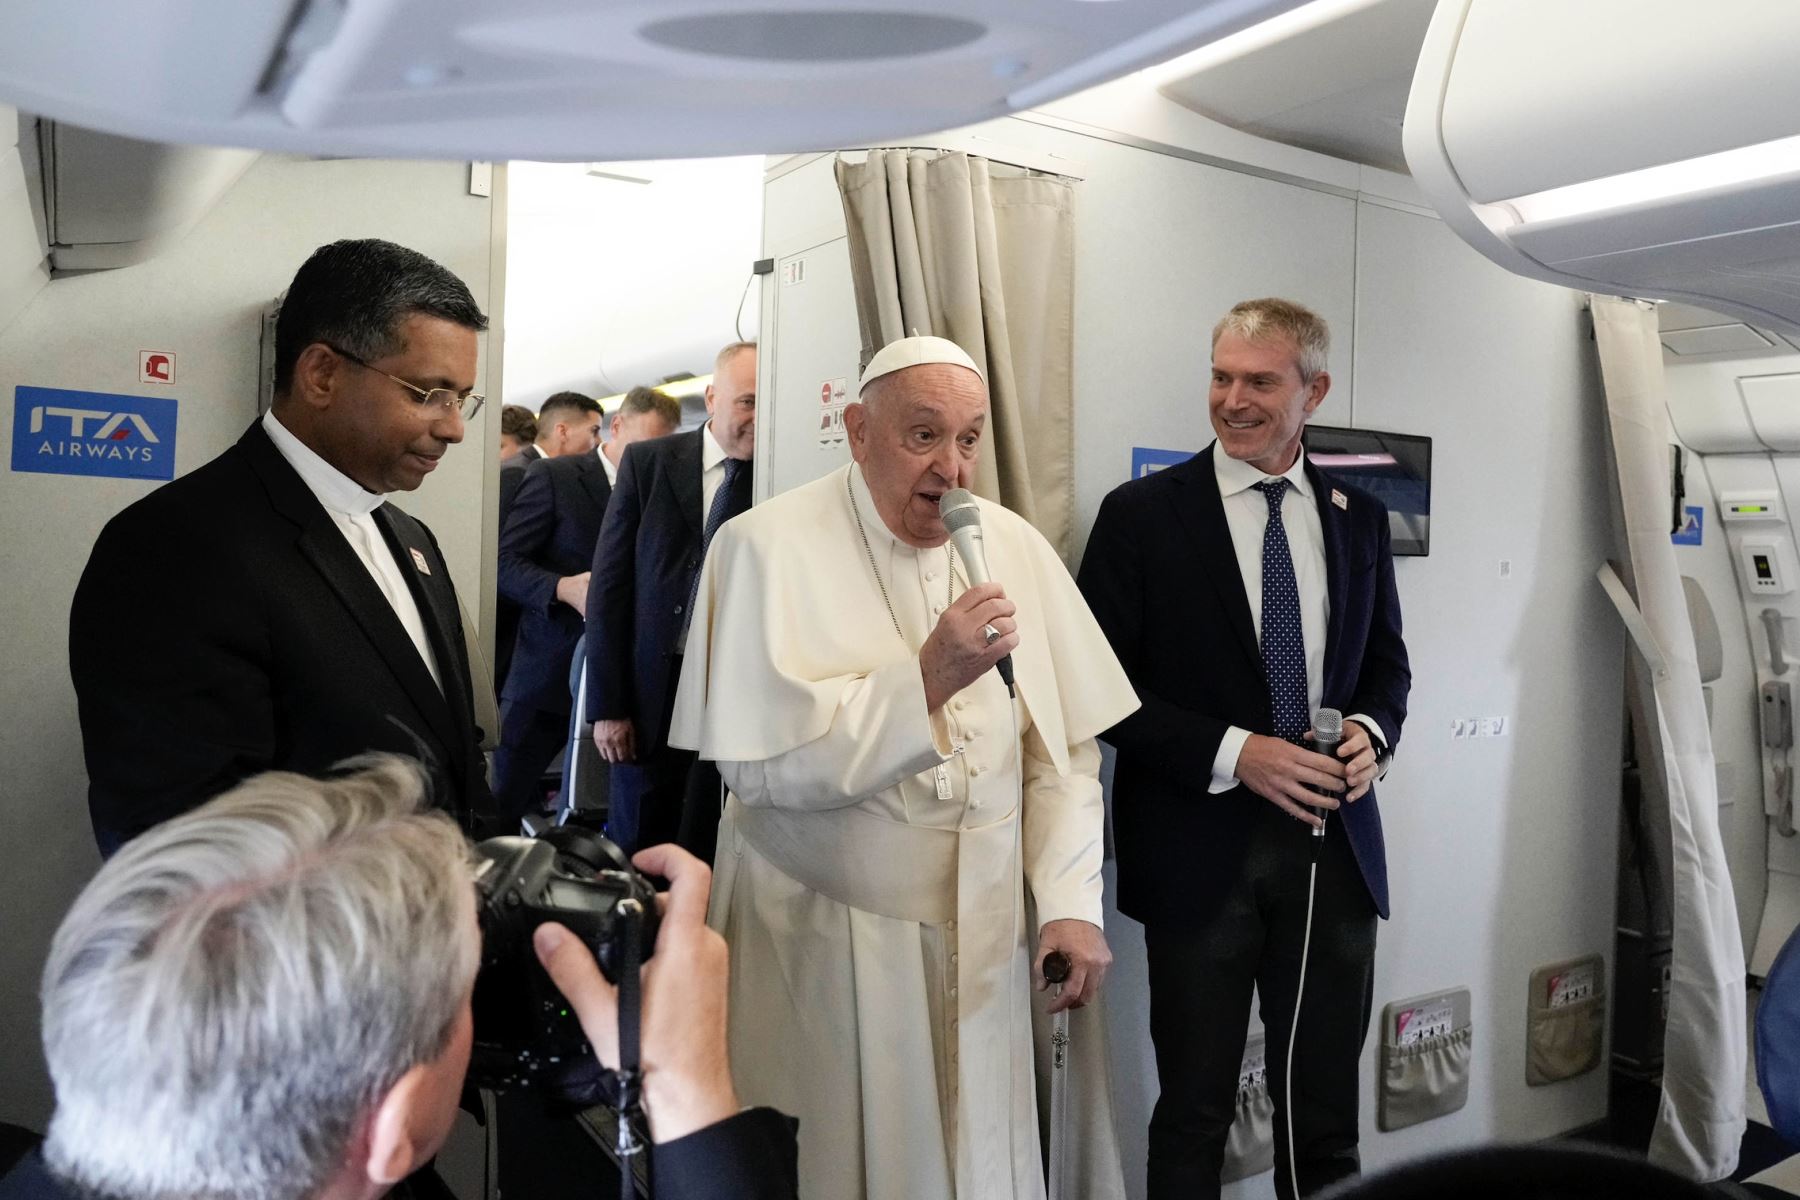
[(425, 567), (1338, 498)]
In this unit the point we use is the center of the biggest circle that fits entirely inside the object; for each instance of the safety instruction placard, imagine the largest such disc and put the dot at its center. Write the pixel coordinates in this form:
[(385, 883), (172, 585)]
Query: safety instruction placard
[(1253, 1074), (834, 395), (1413, 1025), (1577, 983)]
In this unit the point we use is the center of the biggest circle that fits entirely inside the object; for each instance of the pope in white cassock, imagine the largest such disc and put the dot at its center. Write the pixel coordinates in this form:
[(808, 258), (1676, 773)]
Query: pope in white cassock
[(892, 812)]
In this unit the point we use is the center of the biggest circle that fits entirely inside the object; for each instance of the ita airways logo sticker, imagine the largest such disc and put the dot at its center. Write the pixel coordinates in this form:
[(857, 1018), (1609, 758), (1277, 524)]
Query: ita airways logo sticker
[(58, 432)]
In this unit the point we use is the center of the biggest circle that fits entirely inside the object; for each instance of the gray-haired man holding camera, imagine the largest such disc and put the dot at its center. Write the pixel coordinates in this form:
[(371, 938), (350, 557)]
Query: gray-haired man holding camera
[(268, 998)]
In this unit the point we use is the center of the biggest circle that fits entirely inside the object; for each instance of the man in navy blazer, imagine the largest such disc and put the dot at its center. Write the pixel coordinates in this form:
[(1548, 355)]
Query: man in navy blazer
[(546, 547), (566, 425), (671, 496), (1242, 590)]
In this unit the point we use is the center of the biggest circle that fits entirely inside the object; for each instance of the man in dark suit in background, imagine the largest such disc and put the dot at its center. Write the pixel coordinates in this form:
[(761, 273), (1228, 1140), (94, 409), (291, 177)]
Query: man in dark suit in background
[(568, 425), (1242, 590), (673, 494), (271, 609), (546, 547)]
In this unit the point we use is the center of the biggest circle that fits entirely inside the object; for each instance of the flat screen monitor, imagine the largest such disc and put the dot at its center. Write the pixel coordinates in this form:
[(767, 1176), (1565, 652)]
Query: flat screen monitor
[(1395, 468)]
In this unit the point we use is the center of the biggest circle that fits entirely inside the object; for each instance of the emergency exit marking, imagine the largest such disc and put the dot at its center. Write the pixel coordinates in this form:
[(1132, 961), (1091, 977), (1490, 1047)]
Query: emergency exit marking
[(156, 366)]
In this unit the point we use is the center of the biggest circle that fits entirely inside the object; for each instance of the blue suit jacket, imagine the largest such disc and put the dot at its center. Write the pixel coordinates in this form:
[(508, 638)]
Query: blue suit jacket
[(1162, 578), (644, 569), (550, 533)]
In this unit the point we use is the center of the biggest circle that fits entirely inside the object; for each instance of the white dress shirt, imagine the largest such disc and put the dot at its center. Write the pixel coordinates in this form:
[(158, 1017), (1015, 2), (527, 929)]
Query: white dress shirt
[(712, 470), (610, 467), (712, 478), (352, 508), (1247, 517)]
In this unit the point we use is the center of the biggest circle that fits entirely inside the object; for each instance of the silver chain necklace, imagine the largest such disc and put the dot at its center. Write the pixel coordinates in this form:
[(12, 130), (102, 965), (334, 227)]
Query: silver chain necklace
[(949, 548)]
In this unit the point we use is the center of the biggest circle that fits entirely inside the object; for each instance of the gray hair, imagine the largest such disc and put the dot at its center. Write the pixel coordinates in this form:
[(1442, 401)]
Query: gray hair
[(236, 988), (730, 352), (1261, 320)]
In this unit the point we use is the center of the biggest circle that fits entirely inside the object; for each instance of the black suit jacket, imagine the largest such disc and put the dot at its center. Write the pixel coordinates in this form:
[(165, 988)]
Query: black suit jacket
[(750, 1156), (224, 626), (512, 477), (550, 533), (644, 570), (506, 613), (1162, 578)]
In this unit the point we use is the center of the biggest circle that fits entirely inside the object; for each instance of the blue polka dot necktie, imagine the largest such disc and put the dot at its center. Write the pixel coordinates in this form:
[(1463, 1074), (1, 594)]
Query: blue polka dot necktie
[(1283, 642), (726, 505)]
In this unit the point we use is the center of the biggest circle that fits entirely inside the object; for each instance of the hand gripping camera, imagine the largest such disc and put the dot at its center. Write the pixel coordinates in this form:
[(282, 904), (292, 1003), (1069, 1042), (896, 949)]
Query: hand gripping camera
[(526, 1035)]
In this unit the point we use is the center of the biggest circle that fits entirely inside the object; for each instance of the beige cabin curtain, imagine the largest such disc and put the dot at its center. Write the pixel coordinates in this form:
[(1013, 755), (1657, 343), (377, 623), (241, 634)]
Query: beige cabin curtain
[(1700, 1120), (982, 254)]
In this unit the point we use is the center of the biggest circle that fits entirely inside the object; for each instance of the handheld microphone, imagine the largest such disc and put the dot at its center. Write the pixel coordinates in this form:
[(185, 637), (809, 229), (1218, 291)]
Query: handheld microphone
[(962, 517), (1328, 733)]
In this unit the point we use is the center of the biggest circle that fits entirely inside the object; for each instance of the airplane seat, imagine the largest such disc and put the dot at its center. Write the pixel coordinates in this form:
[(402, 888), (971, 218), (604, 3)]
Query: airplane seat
[(1777, 1043), (1541, 1171), (1709, 648), (1778, 1068)]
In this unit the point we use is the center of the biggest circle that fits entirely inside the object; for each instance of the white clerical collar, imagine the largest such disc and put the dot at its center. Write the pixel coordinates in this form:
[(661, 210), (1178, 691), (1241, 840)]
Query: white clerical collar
[(711, 453), (1235, 476), (334, 489)]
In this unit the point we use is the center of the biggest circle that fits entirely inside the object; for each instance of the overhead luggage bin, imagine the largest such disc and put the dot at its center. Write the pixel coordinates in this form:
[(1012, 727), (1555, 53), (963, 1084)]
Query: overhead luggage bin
[(575, 79), (1650, 150)]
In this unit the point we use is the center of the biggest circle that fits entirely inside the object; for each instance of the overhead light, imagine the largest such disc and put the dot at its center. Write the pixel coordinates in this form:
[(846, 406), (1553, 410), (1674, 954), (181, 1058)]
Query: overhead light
[(693, 385), (1670, 181), (599, 171), (1292, 23)]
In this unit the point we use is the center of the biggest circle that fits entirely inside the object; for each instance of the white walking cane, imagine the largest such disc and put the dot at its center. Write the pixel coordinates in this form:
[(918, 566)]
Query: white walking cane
[(1056, 971)]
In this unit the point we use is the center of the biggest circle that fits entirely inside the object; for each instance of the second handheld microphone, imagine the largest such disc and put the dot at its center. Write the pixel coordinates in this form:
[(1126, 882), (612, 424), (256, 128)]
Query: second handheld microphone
[(1328, 734)]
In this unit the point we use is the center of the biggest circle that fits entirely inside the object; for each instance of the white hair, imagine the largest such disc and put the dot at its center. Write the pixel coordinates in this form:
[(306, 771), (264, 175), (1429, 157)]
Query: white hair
[(237, 988), (1270, 317)]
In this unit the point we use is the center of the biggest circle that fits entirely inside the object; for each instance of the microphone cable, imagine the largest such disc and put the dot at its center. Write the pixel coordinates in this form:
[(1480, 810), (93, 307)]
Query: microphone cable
[(1328, 731)]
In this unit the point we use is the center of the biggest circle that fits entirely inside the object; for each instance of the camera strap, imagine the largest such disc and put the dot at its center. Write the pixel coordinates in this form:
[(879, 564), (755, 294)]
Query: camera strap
[(630, 1073)]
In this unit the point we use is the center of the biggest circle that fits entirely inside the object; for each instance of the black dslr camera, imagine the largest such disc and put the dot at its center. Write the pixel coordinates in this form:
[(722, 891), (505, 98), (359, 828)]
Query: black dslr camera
[(526, 1035)]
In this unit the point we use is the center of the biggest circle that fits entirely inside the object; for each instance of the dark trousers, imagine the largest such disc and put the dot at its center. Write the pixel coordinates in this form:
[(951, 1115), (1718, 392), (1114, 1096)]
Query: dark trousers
[(645, 798), (700, 812), (530, 739), (1201, 978)]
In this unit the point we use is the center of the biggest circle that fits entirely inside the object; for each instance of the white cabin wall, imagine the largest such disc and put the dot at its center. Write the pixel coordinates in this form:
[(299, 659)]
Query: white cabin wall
[(612, 283), (203, 299), (1502, 852)]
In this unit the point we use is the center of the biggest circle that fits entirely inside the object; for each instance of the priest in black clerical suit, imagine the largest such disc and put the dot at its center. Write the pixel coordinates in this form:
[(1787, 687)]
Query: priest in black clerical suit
[(272, 609)]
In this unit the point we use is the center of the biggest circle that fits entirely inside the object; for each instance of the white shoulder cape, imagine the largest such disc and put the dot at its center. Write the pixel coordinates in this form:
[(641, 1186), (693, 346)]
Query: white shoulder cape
[(789, 613)]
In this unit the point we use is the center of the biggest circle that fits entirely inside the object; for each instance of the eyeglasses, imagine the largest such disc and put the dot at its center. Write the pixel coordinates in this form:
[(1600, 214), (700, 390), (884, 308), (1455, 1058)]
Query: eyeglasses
[(445, 399)]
